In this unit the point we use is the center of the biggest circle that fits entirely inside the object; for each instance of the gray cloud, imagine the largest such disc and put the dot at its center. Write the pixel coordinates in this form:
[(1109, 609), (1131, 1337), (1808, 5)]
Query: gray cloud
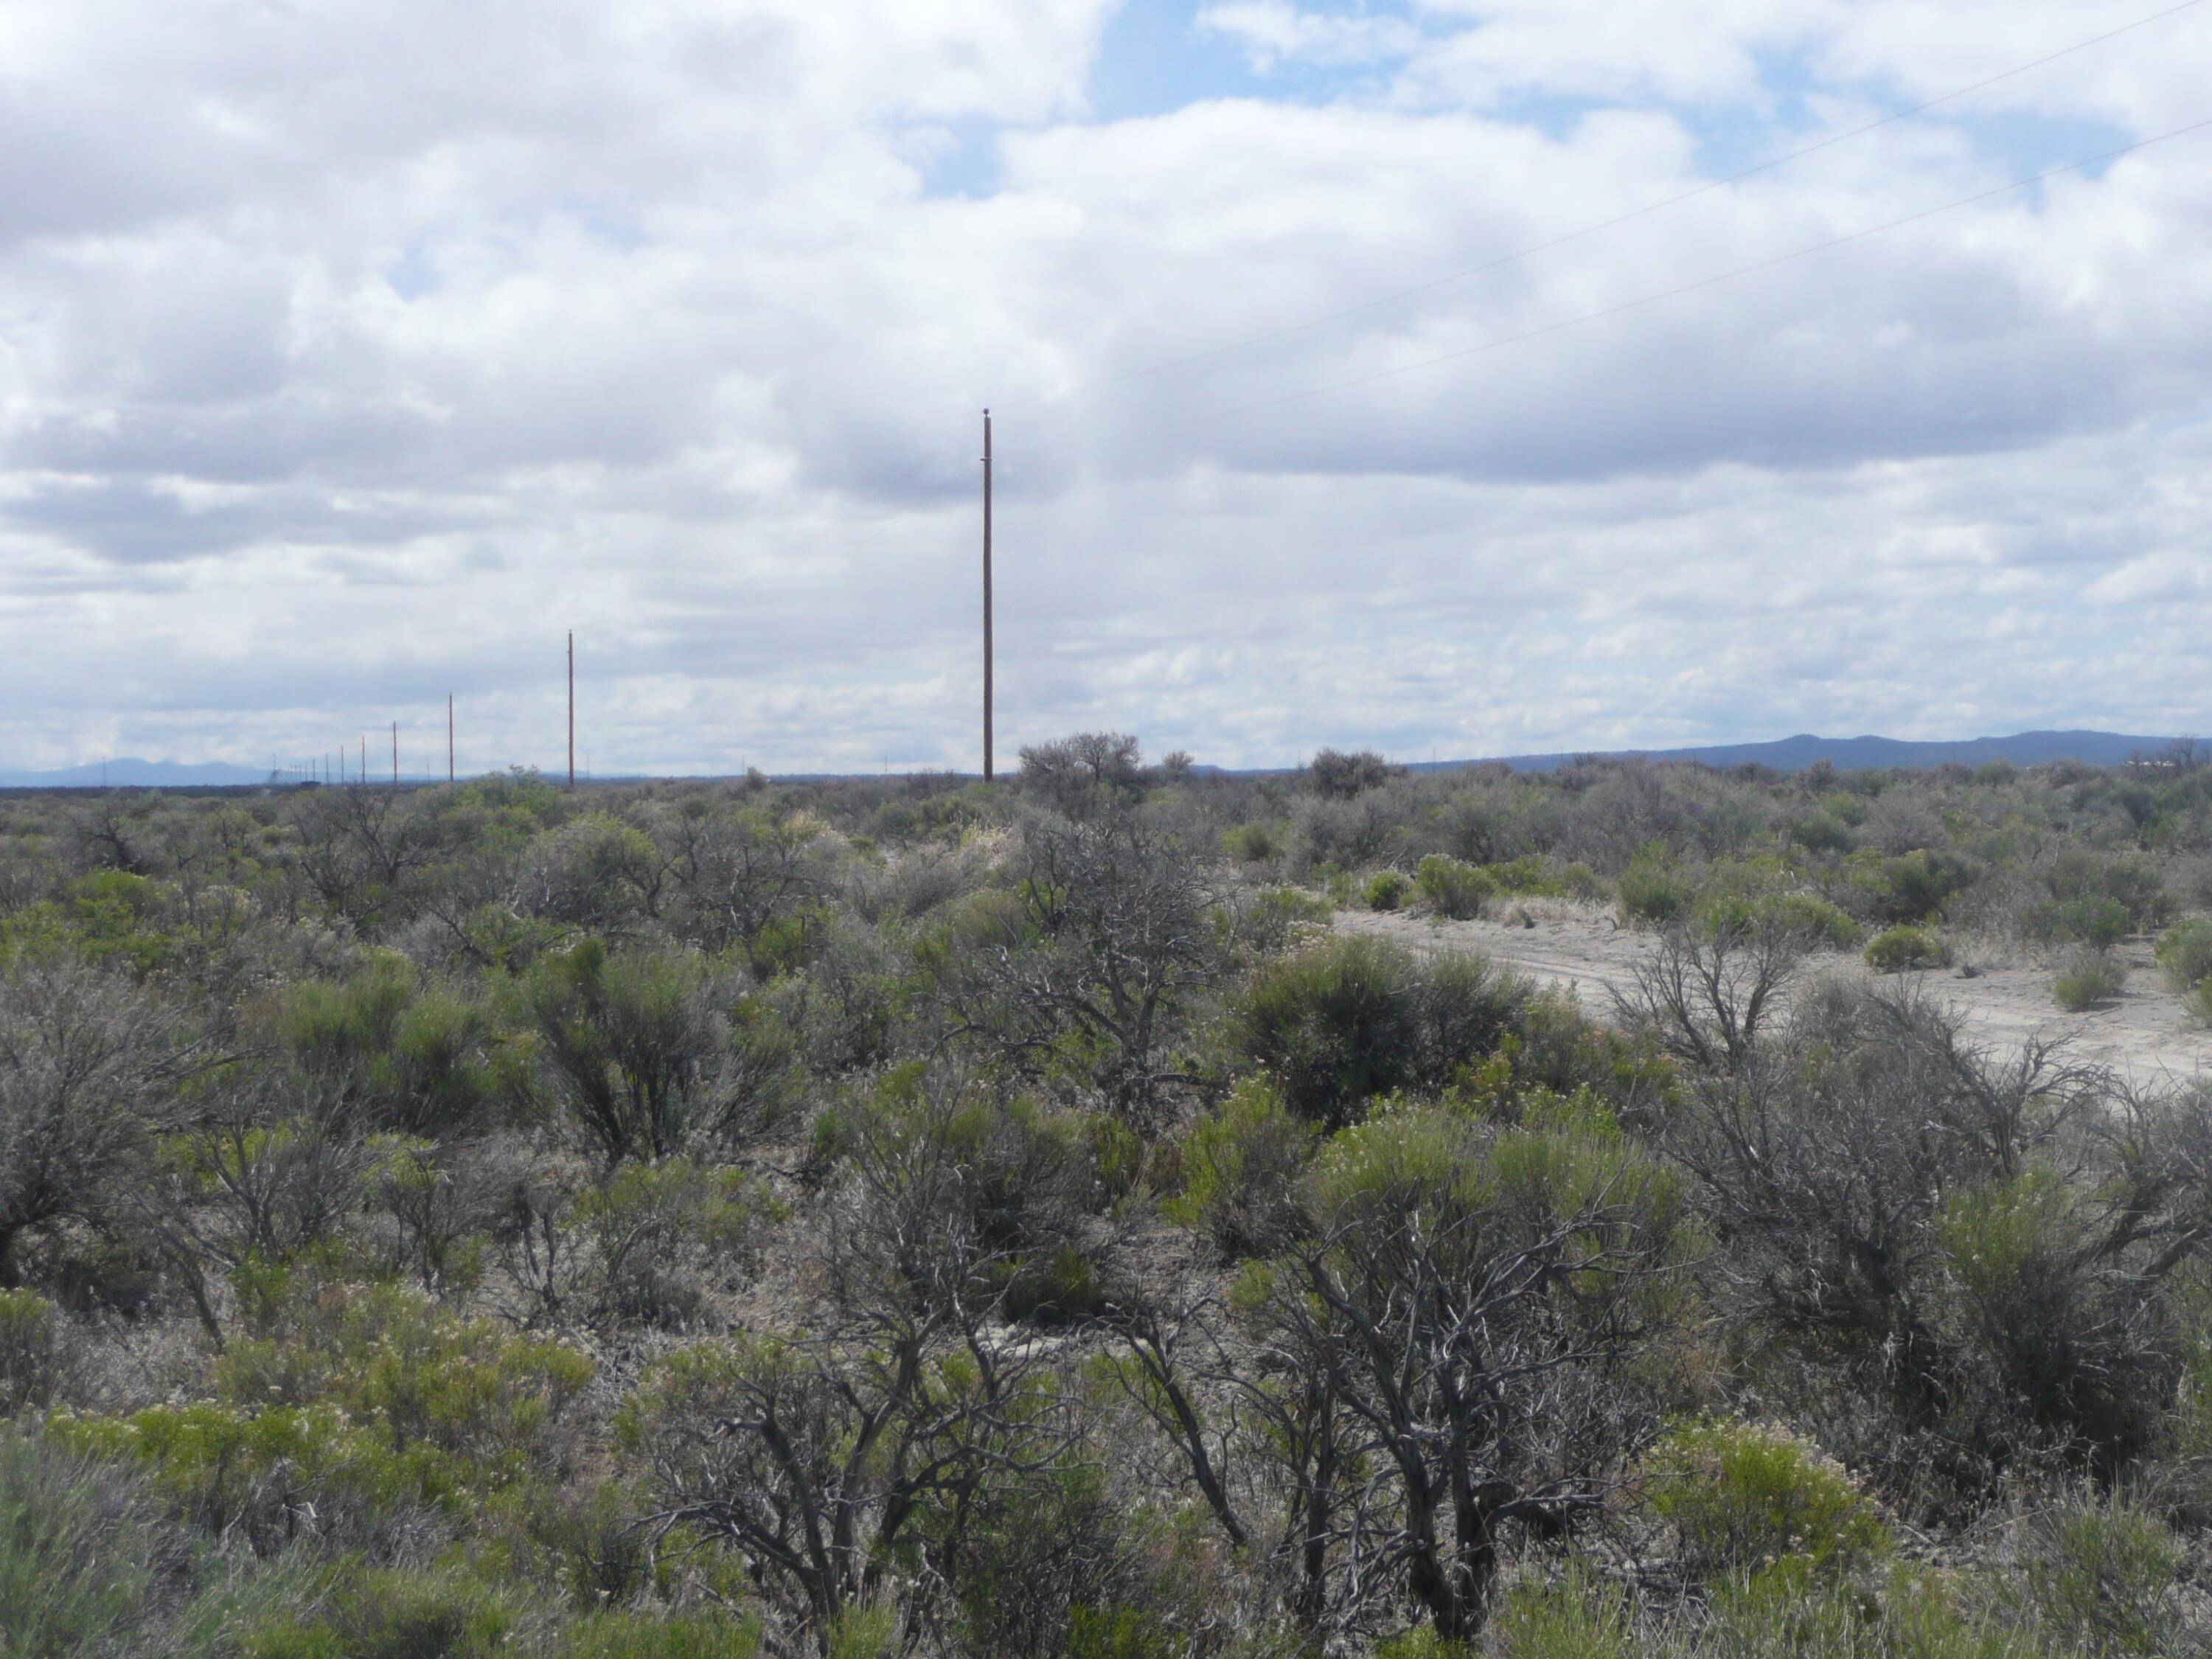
[(350, 355)]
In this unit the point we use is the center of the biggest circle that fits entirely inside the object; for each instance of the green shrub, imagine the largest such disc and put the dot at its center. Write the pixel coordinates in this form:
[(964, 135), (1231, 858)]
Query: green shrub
[(1387, 890), (2087, 979), (1821, 833), (2102, 1578), (1250, 843), (436, 1209), (235, 1473), (1270, 919), (1534, 876), (583, 1539), (1467, 1007), (2184, 954), (1531, 876), (1813, 918), (2098, 921), (1788, 1612), (1903, 890), (2029, 1300), (417, 1060), (1741, 1495), (1331, 1025), (661, 1234), (1800, 916), (1020, 1586), (78, 1552), (1021, 1181), (1578, 1617), (1241, 1167), (867, 1630), (1054, 1287), (1904, 948), (1336, 776), (90, 1569), (1916, 887), (31, 1352), (1120, 1633), (1579, 881), (113, 919), (1453, 889), (2135, 884), (390, 1353), (368, 1403), (626, 1043), (1846, 806), (1355, 1017), (1422, 1642), (709, 1635), (398, 1614), (1653, 889), (592, 873)]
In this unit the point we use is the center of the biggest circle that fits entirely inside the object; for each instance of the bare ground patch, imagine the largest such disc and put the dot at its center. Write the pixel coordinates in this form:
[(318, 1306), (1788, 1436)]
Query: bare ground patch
[(2145, 1035)]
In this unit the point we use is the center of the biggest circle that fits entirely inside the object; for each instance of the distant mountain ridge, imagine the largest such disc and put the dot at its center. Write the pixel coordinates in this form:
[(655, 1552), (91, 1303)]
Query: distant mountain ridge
[(1793, 754), (1869, 753), (130, 772)]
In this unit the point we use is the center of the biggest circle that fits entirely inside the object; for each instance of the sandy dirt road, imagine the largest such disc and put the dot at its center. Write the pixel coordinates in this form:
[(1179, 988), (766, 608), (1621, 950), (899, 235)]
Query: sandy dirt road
[(2146, 1036)]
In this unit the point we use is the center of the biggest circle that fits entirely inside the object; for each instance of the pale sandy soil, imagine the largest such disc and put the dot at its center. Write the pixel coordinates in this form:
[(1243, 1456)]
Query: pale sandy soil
[(2146, 1036)]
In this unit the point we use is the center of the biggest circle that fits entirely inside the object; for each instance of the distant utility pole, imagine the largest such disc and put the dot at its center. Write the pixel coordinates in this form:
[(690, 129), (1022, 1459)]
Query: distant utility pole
[(449, 737), (572, 710), (986, 596), (364, 758), (395, 756)]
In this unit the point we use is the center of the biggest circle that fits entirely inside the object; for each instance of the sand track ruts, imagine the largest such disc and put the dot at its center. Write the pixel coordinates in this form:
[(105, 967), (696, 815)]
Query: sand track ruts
[(2146, 1036)]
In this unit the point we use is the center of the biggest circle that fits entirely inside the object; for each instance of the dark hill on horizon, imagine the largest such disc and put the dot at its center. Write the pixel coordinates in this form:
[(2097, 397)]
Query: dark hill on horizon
[(127, 772), (1796, 753), (1792, 754)]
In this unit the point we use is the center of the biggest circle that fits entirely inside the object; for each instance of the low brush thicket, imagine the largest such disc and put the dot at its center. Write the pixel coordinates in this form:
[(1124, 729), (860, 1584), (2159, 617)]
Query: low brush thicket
[(906, 1217)]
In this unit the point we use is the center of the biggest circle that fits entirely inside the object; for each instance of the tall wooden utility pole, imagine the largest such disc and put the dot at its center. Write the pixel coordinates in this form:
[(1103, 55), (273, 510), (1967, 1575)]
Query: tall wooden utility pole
[(395, 754), (986, 596), (449, 737), (572, 710)]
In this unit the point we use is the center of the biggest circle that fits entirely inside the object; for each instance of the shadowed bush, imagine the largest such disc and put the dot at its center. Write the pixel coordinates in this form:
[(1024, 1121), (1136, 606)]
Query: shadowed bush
[(34, 1355), (1901, 950), (1351, 1018), (2102, 1578), (1744, 1496), (2102, 922), (2184, 954), (79, 1553), (1386, 890), (630, 1045), (1241, 1168), (1653, 891), (2088, 978), (1453, 889)]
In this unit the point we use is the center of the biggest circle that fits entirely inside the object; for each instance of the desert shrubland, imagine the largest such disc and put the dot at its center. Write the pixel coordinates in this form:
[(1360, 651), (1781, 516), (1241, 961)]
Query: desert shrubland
[(907, 1216)]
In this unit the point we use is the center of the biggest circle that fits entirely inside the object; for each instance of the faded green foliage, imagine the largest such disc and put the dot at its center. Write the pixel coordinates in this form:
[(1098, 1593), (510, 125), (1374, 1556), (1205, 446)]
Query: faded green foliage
[(910, 1216)]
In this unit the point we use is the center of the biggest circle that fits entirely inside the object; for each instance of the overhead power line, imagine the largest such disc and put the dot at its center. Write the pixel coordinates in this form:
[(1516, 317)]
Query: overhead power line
[(1641, 300), (1394, 296)]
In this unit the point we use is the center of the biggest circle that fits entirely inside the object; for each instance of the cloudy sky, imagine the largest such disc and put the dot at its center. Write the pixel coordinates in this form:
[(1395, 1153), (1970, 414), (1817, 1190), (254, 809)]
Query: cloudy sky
[(352, 350)]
